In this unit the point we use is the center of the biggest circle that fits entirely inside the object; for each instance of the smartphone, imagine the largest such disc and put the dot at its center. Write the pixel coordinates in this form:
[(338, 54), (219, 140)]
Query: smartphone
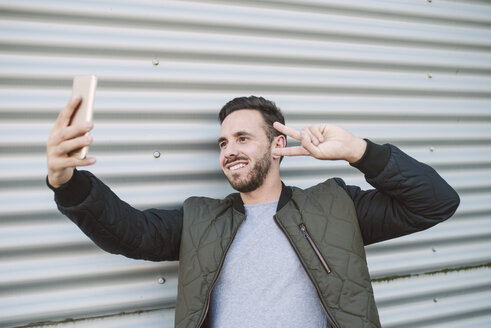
[(84, 87)]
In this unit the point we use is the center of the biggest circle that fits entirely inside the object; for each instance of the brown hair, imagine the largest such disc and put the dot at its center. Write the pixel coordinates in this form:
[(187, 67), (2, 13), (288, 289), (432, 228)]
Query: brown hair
[(268, 109)]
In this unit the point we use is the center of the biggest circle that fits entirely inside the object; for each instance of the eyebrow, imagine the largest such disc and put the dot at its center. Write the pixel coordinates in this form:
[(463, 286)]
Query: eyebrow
[(236, 134)]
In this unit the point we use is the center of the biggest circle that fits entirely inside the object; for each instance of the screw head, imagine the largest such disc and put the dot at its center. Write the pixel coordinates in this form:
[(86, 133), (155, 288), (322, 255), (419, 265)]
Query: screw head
[(156, 154)]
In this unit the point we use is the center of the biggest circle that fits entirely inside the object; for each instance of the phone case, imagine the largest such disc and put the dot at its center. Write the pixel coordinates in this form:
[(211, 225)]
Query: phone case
[(84, 86)]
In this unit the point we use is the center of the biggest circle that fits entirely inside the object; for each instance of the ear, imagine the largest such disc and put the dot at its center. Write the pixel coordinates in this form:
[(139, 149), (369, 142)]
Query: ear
[(279, 142)]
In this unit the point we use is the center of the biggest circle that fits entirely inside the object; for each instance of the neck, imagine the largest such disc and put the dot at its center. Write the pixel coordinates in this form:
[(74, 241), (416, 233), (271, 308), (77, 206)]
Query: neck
[(269, 191)]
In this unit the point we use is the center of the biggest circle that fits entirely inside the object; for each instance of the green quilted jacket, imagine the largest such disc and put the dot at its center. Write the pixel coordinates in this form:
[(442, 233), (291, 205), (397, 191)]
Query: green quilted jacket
[(322, 227)]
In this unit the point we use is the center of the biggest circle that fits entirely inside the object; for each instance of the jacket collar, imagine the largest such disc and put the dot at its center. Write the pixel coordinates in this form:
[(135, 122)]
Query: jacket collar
[(286, 194)]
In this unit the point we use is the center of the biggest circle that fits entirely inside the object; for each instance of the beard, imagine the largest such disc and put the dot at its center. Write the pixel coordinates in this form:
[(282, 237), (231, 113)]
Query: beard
[(255, 177)]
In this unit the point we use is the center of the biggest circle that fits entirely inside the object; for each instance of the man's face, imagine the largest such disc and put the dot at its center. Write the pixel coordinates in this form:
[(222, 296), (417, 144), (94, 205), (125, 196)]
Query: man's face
[(245, 151)]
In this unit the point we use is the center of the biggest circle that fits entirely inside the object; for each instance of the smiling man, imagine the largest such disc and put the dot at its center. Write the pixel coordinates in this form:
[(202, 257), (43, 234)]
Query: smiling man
[(270, 255), (245, 152)]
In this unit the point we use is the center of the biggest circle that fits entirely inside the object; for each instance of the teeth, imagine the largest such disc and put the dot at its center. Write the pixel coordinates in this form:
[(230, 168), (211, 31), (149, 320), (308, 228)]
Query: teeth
[(236, 167)]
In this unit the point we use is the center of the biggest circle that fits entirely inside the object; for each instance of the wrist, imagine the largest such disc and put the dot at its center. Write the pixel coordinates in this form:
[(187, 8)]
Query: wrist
[(74, 191), (54, 183), (357, 150), (51, 184), (374, 160)]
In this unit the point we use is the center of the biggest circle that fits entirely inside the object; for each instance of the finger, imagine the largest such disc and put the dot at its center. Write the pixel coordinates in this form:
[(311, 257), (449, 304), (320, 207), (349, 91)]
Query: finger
[(69, 146), (287, 130), (309, 146), (312, 149), (306, 133), (290, 151), (86, 161), (70, 132), (67, 112), (317, 132), (70, 162)]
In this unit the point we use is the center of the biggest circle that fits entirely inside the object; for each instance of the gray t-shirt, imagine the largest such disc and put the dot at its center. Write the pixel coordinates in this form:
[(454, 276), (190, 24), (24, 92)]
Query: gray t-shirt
[(262, 283)]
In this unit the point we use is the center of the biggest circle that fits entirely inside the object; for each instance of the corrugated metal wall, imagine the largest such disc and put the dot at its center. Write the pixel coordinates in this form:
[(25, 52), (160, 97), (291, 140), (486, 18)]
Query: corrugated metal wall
[(413, 73)]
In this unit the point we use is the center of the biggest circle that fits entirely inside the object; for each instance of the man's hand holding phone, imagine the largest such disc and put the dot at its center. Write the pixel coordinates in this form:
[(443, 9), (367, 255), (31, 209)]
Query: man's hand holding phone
[(69, 138)]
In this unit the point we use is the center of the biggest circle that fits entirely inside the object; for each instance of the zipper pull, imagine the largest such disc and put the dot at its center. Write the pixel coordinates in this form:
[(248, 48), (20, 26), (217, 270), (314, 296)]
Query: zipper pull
[(303, 229)]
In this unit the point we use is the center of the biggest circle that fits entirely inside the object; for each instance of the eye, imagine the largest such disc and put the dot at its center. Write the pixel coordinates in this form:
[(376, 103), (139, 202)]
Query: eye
[(242, 139), (222, 144)]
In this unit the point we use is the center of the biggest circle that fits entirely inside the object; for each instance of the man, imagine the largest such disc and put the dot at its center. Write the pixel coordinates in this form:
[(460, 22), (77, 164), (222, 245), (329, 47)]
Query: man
[(270, 255)]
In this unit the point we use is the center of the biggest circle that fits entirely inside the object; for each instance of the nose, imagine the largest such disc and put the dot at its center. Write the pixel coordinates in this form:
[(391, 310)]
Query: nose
[(230, 152)]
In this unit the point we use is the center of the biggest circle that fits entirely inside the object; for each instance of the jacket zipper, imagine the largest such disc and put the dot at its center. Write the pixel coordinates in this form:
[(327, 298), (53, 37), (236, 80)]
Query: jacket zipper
[(208, 298), (303, 228), (329, 317)]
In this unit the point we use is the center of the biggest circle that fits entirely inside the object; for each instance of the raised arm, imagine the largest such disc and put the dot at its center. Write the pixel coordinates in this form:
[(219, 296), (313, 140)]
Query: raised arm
[(409, 196), (112, 224)]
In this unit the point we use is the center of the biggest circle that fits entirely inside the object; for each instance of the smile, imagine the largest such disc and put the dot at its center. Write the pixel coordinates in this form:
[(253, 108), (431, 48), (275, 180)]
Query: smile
[(237, 166)]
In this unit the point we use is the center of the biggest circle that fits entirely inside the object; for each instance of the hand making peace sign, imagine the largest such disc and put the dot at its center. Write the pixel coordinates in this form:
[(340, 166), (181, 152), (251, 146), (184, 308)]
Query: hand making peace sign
[(323, 141)]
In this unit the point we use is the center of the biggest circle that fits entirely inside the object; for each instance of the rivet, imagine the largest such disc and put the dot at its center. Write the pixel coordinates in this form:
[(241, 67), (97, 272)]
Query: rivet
[(433, 250), (430, 75), (432, 149), (155, 62), (156, 154), (161, 280), (435, 300)]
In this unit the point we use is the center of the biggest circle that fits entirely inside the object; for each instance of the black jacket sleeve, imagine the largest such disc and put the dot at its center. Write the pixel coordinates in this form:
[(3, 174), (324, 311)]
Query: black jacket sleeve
[(409, 196), (117, 227)]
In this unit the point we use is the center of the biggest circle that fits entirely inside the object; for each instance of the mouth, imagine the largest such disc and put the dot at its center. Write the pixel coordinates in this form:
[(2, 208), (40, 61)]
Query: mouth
[(234, 166)]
